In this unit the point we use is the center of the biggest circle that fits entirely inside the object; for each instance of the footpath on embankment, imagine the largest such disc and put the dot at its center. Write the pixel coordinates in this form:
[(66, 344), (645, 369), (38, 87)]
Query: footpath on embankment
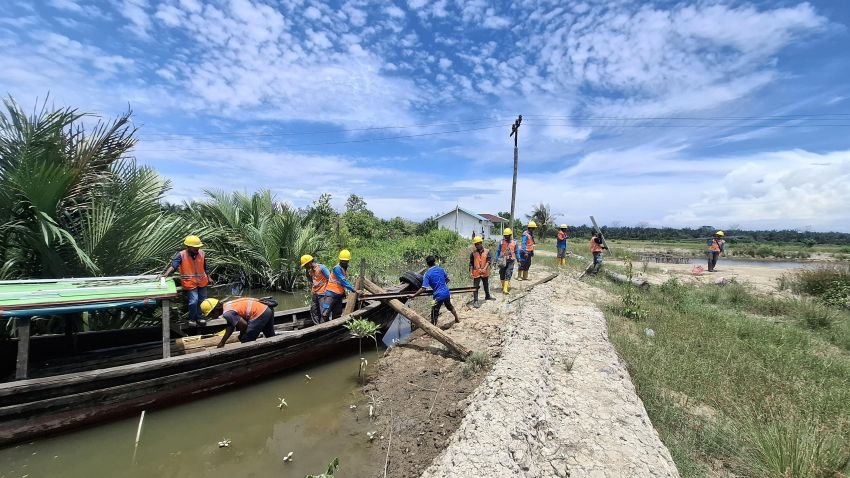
[(556, 403)]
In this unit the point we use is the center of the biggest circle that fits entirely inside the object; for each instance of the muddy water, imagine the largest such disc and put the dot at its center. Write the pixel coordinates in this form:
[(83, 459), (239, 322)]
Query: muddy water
[(182, 441)]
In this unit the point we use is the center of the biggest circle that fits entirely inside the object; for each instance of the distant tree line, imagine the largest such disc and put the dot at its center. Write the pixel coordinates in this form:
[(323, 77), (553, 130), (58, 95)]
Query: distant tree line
[(737, 235)]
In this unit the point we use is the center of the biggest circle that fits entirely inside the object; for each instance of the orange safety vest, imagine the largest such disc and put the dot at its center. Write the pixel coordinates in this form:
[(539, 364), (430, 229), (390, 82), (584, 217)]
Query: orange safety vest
[(334, 285), (715, 245), (480, 263), (594, 246), (529, 242), (320, 280), (192, 273), (508, 247), (247, 308)]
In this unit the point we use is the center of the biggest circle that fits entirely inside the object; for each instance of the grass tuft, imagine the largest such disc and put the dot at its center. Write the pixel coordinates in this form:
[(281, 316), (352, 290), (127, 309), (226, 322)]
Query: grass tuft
[(475, 362)]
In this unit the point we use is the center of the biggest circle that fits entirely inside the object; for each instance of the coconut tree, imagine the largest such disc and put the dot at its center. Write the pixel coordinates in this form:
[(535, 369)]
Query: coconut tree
[(542, 215), (255, 239), (72, 202)]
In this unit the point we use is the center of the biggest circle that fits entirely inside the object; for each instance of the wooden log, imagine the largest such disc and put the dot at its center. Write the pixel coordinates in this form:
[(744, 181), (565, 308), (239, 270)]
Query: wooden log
[(420, 321), (358, 285), (541, 281), (166, 329), (638, 281), (23, 348)]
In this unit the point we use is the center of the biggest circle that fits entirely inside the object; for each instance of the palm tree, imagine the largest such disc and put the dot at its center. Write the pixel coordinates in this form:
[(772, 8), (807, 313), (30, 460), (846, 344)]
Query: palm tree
[(255, 239), (72, 202)]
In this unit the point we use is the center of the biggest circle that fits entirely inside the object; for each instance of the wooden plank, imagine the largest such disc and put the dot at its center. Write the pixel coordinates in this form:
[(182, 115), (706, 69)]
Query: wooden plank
[(23, 348), (166, 329), (420, 321)]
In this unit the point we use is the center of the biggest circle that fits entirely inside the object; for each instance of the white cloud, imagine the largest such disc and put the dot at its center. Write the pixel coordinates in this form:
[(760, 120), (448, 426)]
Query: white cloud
[(136, 12), (313, 13), (69, 5), (445, 63), (394, 11)]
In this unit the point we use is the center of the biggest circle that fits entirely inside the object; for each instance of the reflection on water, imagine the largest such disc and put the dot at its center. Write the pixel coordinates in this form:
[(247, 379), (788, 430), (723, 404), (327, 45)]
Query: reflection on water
[(182, 441)]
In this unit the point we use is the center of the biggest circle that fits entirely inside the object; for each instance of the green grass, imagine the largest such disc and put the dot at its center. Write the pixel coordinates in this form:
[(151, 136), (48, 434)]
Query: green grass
[(759, 384)]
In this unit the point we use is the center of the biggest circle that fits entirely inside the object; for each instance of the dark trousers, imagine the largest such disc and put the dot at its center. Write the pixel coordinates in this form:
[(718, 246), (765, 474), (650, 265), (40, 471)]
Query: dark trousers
[(435, 309), (597, 262), (506, 271), (316, 308), (332, 307), (525, 261), (476, 282), (264, 323), (712, 260)]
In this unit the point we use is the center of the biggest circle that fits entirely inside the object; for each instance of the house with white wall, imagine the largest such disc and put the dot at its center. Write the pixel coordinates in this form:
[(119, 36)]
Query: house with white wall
[(465, 222)]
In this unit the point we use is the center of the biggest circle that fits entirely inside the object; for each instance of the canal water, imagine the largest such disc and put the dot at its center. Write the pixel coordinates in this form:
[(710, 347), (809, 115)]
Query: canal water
[(182, 441)]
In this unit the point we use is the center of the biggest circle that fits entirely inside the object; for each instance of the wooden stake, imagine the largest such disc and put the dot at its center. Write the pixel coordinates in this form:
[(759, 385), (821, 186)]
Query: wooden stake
[(420, 321), (166, 329), (23, 348), (352, 297)]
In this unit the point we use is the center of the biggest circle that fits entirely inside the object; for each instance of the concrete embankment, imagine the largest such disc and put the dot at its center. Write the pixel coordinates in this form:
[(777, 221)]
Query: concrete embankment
[(558, 402)]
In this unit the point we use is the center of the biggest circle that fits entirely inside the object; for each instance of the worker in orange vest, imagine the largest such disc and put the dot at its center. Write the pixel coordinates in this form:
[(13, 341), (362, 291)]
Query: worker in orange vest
[(716, 246), (191, 262), (526, 250), (337, 285), (479, 270), (597, 245), (562, 244), (506, 257), (317, 276), (248, 315)]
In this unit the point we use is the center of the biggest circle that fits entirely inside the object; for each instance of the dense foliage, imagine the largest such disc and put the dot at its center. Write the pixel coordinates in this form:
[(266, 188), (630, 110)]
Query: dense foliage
[(735, 235)]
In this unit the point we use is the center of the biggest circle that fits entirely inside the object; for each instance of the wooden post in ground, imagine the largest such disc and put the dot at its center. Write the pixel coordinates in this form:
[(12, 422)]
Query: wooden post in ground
[(23, 348), (166, 329), (358, 285), (420, 321)]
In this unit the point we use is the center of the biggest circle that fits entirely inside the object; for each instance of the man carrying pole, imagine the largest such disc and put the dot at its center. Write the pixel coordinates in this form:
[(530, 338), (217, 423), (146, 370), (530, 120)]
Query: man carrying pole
[(437, 280), (597, 245), (191, 262), (337, 285), (479, 270)]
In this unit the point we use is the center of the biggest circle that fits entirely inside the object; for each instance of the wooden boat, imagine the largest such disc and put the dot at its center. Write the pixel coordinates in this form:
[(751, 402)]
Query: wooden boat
[(122, 380)]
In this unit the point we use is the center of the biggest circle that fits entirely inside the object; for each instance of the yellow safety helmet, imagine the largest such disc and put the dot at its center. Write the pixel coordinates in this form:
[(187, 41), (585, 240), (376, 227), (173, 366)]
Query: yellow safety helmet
[(193, 241), (508, 231), (477, 240), (563, 226), (208, 305), (532, 224), (306, 259), (719, 233), (344, 255)]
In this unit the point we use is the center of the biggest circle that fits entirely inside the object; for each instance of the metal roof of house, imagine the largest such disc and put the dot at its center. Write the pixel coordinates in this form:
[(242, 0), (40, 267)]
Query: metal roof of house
[(493, 218), (466, 211), (44, 296)]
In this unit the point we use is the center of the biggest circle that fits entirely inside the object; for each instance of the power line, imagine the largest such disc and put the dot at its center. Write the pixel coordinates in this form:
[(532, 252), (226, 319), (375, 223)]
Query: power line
[(293, 145)]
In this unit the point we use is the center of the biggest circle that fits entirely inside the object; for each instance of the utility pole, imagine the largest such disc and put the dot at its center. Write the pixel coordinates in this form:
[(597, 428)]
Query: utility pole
[(515, 134)]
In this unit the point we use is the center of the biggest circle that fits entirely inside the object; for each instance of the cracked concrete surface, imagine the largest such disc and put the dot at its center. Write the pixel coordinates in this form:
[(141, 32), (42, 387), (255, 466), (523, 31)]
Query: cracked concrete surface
[(558, 403)]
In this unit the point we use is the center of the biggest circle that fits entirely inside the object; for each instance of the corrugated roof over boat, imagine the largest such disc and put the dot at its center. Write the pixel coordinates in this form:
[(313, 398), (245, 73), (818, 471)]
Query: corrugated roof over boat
[(59, 293)]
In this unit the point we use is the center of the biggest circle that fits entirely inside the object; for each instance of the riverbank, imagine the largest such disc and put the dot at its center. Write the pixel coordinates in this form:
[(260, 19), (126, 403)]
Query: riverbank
[(557, 401)]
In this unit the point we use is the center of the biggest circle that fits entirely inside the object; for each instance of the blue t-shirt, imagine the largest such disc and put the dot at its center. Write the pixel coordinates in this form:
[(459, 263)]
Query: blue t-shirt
[(562, 244), (436, 278)]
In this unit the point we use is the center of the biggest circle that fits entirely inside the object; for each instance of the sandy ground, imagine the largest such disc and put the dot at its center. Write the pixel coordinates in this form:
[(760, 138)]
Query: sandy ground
[(763, 279), (556, 403)]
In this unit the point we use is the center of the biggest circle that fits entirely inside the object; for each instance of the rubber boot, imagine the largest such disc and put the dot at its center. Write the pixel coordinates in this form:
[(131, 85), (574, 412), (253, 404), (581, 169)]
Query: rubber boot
[(475, 302)]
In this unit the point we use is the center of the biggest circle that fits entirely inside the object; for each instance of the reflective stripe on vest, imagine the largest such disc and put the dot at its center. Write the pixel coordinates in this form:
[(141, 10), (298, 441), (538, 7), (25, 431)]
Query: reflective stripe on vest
[(505, 248), (481, 263), (192, 273), (247, 308), (595, 246), (334, 285), (529, 241), (320, 281)]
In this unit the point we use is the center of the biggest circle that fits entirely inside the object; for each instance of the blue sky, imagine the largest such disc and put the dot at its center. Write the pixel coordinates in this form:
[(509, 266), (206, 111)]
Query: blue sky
[(677, 113)]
